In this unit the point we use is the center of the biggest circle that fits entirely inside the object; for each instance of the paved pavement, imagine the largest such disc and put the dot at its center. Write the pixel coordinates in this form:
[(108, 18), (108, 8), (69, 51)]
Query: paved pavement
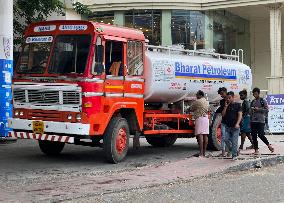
[(80, 172), (253, 186)]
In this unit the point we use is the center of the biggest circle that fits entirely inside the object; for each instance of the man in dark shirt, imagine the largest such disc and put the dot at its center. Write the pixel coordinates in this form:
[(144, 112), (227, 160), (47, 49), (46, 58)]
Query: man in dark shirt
[(245, 123), (232, 115), (259, 109), (223, 93)]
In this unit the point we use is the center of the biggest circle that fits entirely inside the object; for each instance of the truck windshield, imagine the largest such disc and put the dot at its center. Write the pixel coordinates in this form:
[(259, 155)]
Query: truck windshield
[(34, 58), (70, 54)]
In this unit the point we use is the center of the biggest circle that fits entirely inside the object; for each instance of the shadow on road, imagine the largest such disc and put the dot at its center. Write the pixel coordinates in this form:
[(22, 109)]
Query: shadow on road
[(25, 154)]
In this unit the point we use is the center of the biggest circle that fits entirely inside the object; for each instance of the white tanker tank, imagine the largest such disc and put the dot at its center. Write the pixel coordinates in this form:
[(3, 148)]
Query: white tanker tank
[(172, 76)]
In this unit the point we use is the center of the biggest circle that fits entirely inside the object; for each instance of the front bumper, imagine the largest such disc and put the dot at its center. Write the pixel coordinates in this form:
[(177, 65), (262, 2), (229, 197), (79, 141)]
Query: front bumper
[(33, 136), (51, 127)]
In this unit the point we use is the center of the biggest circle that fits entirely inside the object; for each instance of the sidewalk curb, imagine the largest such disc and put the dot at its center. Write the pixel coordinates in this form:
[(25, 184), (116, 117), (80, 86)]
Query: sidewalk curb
[(244, 166), (235, 166), (248, 165), (251, 164), (256, 163)]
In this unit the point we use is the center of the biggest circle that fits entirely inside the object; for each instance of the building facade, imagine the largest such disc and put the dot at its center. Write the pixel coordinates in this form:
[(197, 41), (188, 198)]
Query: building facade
[(253, 25)]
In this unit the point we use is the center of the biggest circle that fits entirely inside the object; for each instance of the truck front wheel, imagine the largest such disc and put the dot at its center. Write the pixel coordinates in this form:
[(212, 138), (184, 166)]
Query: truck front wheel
[(116, 140), (51, 148), (164, 141)]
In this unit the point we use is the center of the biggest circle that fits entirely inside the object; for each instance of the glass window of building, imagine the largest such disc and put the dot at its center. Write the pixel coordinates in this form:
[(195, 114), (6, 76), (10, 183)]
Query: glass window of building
[(103, 17), (147, 21), (188, 28), (228, 29)]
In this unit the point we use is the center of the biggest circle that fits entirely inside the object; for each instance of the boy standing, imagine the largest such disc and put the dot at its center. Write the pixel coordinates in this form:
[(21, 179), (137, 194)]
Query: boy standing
[(245, 123), (259, 109), (223, 93), (232, 115)]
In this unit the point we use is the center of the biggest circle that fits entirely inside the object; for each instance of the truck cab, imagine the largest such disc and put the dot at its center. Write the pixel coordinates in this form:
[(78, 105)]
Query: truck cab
[(72, 79)]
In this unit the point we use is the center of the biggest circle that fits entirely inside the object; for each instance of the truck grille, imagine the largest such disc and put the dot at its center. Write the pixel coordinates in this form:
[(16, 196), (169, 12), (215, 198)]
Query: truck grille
[(43, 97), (71, 97), (46, 96), (19, 95), (44, 115)]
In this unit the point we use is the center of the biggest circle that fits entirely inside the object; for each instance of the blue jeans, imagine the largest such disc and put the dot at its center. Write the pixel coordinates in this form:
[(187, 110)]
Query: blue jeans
[(231, 139), (223, 133)]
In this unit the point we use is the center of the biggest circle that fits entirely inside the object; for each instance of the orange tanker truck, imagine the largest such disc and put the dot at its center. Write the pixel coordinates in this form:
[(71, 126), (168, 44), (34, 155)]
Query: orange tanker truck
[(92, 84)]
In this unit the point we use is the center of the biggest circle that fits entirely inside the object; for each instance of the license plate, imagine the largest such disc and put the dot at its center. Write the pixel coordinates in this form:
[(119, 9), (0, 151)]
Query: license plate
[(38, 127)]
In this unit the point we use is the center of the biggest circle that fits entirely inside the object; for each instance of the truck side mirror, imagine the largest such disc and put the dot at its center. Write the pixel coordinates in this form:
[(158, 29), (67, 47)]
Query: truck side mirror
[(99, 41)]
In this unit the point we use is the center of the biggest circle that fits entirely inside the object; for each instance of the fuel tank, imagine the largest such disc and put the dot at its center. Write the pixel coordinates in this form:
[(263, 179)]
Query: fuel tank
[(173, 77)]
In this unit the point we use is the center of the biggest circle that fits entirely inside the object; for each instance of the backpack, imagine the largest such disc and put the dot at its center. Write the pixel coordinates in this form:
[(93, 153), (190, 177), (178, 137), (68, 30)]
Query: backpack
[(261, 102)]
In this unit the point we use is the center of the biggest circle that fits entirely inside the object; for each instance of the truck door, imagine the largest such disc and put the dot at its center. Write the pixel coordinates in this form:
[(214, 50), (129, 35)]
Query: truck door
[(114, 67), (134, 81)]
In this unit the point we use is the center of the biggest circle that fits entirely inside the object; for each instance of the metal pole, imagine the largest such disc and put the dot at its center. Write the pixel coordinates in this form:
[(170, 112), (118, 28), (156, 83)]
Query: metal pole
[(6, 63), (6, 30)]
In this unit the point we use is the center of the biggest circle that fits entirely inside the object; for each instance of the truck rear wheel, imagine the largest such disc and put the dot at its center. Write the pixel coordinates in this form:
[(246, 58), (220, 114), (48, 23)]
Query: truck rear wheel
[(116, 140), (215, 136), (51, 148), (164, 141)]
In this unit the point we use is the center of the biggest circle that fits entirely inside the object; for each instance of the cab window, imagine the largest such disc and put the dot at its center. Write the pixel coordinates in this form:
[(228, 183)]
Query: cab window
[(34, 58), (70, 54), (114, 58), (135, 58), (98, 61)]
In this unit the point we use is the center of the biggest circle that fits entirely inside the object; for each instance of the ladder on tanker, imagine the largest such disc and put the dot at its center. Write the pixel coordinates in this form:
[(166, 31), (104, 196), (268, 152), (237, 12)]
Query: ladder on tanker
[(236, 55)]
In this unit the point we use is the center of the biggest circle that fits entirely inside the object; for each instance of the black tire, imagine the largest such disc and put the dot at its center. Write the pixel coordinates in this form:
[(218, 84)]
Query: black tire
[(214, 139), (113, 152), (51, 148), (164, 141)]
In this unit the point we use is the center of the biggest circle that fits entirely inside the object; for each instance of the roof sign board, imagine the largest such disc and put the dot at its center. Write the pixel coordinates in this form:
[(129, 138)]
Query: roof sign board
[(46, 28), (73, 27), (276, 113), (39, 39)]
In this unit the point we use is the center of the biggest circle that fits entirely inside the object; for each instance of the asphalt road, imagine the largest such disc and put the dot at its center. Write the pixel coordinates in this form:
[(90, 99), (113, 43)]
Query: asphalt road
[(26, 156), (23, 166), (257, 186), (27, 175)]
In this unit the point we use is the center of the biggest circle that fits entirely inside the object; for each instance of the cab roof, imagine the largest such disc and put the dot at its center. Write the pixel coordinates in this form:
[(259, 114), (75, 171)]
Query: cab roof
[(57, 27)]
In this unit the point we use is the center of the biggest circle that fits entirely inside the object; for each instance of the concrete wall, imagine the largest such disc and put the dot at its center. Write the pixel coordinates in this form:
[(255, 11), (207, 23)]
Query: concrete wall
[(72, 15), (69, 15), (260, 51), (108, 5)]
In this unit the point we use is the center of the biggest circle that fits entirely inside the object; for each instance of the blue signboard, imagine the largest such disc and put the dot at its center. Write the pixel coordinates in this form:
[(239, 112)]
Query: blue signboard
[(5, 100), (276, 113), (204, 71)]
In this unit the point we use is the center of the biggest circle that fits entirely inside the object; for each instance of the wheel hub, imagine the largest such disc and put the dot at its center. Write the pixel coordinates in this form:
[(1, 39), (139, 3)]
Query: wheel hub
[(121, 140)]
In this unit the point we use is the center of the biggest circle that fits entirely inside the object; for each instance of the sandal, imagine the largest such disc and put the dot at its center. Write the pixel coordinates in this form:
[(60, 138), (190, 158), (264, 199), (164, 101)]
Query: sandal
[(256, 153), (271, 148), (221, 155), (250, 147), (229, 154)]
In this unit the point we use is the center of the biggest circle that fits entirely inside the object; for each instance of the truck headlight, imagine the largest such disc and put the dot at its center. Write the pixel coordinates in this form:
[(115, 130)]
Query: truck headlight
[(21, 113), (78, 117), (69, 116), (16, 113)]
